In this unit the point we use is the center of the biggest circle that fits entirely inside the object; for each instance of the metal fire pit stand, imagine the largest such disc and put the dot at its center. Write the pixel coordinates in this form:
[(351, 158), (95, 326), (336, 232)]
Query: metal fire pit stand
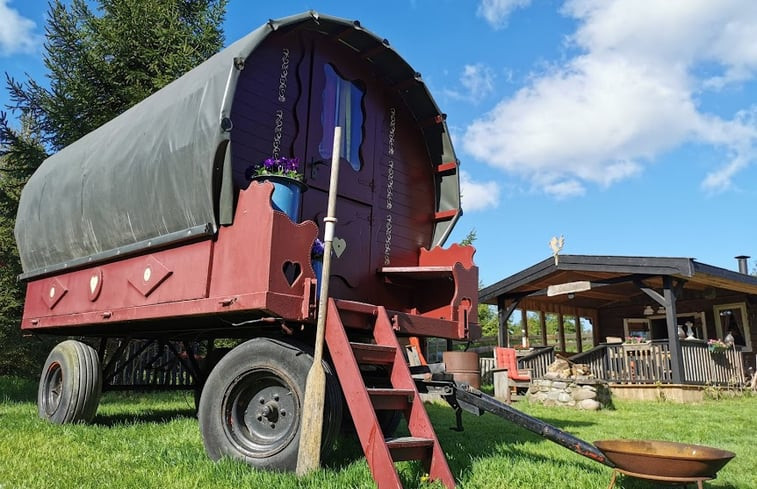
[(699, 481)]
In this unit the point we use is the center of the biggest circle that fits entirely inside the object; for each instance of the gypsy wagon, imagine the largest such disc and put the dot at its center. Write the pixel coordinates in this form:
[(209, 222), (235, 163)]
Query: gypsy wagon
[(148, 230)]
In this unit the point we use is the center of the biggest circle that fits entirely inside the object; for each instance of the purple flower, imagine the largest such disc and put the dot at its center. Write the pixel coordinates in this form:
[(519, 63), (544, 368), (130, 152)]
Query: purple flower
[(317, 250), (283, 166), (269, 164)]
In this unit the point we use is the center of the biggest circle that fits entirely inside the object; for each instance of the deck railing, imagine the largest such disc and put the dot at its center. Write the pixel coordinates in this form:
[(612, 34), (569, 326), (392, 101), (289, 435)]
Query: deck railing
[(649, 363), (701, 366), (487, 367), (538, 360)]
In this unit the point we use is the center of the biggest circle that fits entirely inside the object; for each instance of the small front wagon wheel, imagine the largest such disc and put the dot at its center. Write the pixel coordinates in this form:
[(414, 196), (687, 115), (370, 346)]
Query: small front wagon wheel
[(70, 385)]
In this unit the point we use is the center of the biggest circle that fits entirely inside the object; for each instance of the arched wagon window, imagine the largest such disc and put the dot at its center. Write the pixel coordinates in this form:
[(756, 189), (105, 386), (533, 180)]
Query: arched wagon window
[(342, 106)]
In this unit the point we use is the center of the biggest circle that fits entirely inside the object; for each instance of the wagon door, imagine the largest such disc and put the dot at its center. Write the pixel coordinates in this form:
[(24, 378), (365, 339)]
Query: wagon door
[(341, 93)]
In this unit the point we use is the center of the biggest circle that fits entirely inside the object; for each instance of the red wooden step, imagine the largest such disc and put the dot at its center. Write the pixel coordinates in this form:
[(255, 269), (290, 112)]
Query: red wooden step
[(362, 401), (371, 354), (409, 448), (391, 399)]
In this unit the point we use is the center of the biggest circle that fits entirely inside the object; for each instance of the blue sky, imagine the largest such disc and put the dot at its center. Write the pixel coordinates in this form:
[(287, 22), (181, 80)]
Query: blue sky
[(627, 126)]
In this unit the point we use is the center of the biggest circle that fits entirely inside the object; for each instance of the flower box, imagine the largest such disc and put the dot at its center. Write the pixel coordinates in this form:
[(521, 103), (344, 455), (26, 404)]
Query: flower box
[(287, 182)]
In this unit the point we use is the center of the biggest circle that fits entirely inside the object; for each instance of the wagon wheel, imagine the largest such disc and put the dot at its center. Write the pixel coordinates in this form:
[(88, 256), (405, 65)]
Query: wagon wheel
[(251, 405), (70, 385)]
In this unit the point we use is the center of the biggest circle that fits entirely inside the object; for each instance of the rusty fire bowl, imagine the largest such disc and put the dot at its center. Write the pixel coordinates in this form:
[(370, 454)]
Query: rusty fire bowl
[(665, 458)]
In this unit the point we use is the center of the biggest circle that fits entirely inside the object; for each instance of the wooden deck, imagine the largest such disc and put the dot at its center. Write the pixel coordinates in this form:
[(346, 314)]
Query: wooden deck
[(649, 363)]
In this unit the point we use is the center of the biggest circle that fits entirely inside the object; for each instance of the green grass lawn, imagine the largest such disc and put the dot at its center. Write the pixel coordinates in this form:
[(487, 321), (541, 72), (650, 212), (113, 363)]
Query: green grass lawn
[(153, 441)]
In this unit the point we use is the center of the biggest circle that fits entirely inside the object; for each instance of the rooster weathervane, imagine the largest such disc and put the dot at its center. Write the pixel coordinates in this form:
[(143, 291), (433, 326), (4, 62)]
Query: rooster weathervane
[(556, 244)]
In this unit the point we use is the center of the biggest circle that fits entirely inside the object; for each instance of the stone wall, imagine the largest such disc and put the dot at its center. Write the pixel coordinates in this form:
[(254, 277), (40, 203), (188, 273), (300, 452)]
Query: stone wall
[(584, 394), (570, 386)]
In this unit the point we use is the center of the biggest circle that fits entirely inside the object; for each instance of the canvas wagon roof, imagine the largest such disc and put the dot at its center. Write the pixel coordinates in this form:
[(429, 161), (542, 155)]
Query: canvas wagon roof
[(158, 173), (612, 280)]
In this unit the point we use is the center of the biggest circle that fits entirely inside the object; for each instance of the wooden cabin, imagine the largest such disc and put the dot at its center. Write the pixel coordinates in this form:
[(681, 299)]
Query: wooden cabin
[(651, 318)]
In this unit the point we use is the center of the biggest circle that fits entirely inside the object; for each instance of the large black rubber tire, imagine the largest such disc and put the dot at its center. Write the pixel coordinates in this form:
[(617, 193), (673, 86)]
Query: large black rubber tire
[(251, 405), (70, 385)]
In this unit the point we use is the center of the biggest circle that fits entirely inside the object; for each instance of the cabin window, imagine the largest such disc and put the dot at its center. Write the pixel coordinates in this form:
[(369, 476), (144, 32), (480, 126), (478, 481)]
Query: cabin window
[(733, 319), (690, 325), (637, 328), (342, 106)]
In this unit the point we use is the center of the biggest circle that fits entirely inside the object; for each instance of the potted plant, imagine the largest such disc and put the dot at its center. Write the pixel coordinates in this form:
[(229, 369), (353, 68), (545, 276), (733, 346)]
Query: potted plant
[(635, 343), (634, 340), (284, 173), (716, 346)]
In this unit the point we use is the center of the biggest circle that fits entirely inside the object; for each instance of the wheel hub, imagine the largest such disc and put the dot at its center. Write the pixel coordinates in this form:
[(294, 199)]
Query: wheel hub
[(267, 412), (262, 414), (53, 388)]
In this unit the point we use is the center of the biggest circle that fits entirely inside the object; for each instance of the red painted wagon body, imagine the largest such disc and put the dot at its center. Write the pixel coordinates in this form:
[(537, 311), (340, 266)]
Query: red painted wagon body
[(150, 218), (147, 228)]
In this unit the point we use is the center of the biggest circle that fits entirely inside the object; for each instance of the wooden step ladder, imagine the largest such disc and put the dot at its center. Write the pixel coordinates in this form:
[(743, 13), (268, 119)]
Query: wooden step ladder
[(363, 402)]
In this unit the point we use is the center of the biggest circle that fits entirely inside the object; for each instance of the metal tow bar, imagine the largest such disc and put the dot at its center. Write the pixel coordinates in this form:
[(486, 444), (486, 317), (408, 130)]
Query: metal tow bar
[(463, 397)]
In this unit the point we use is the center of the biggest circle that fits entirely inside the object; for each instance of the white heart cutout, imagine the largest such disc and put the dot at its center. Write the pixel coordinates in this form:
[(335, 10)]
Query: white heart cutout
[(339, 246), (93, 283)]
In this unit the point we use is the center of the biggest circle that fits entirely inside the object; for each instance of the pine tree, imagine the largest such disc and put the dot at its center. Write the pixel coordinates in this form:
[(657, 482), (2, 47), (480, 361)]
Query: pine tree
[(100, 61), (21, 151)]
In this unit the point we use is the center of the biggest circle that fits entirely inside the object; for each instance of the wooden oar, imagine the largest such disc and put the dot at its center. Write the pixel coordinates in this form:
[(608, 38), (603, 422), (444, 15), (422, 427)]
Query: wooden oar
[(309, 456)]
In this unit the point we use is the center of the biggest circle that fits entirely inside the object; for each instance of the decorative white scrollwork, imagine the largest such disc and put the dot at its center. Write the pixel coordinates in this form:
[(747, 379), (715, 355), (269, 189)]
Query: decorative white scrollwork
[(390, 184)]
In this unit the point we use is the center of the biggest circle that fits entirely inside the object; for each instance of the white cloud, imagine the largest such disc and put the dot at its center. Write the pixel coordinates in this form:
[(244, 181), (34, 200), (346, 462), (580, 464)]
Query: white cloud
[(477, 196), (16, 32), (478, 82), (496, 12), (628, 97), (565, 189)]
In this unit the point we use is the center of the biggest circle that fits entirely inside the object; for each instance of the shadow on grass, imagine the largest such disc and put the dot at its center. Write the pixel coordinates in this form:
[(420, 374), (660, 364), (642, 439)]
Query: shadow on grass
[(628, 482), (158, 416), (17, 389), (483, 436), (346, 451), (140, 407), (487, 435)]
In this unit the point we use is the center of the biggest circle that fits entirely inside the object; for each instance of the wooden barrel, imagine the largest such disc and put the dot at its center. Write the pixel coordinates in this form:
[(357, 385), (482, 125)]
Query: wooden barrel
[(464, 367)]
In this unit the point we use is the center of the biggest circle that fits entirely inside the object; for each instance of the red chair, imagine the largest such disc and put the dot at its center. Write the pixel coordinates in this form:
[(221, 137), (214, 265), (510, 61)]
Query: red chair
[(507, 358)]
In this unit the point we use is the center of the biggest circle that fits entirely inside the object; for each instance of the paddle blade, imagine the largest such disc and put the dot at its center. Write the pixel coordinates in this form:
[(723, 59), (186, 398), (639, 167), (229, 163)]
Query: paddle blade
[(309, 456)]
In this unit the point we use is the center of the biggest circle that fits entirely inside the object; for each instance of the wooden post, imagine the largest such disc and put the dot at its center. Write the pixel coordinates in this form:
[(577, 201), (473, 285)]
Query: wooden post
[(502, 322), (504, 313), (676, 358), (524, 328), (579, 340), (543, 325), (561, 332)]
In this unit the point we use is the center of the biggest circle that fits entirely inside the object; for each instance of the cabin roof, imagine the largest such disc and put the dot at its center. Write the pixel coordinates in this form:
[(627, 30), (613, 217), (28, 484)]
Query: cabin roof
[(159, 172), (612, 280)]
